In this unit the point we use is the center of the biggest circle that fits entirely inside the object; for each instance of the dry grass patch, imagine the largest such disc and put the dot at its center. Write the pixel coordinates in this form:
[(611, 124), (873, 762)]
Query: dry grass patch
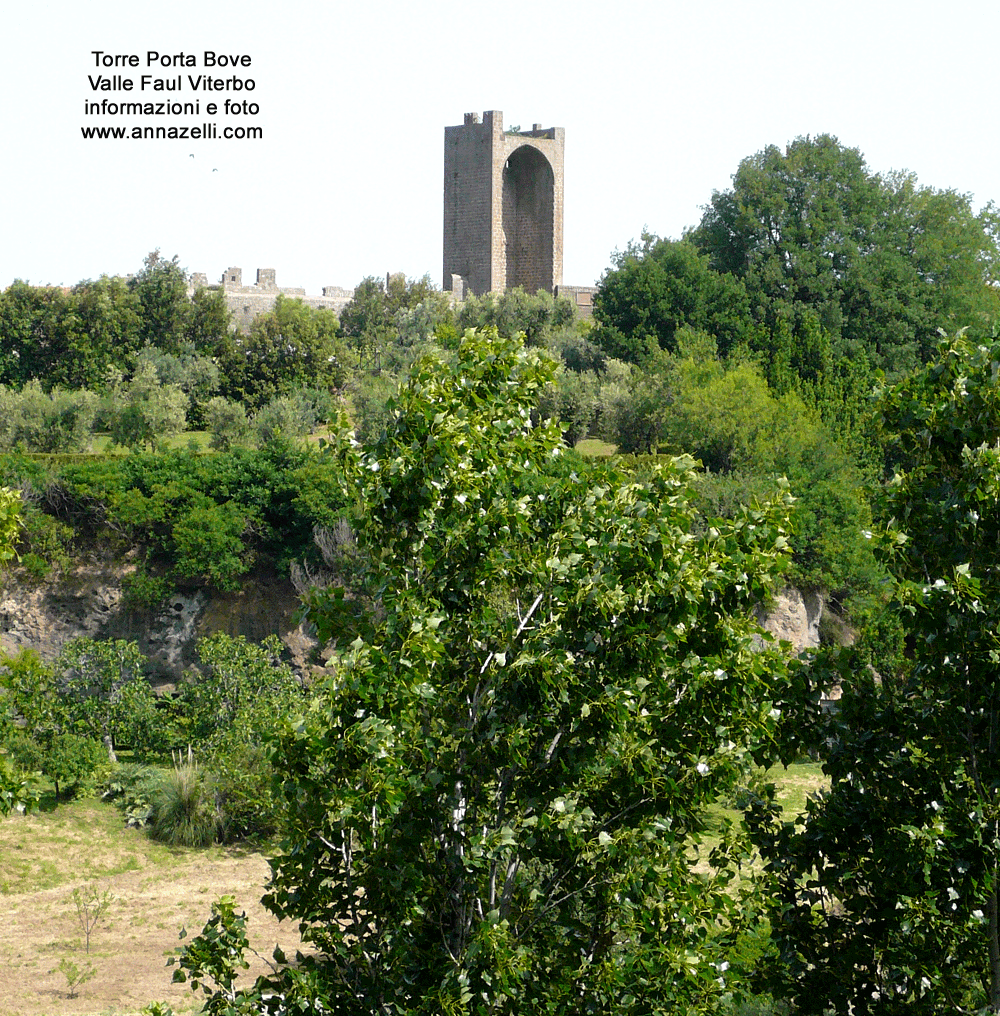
[(156, 890)]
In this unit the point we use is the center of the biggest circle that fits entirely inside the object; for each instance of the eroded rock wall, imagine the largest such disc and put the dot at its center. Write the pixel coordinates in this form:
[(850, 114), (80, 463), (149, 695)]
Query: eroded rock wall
[(87, 602)]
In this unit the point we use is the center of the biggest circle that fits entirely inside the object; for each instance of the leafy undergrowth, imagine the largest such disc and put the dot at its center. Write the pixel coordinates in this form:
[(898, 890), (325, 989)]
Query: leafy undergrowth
[(156, 890)]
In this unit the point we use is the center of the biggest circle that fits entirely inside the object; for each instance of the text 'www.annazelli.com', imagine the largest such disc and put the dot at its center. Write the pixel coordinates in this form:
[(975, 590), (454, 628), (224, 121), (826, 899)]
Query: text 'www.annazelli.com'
[(205, 132)]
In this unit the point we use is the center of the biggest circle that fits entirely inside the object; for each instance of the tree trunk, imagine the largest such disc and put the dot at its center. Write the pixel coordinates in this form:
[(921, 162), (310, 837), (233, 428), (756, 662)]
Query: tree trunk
[(994, 946)]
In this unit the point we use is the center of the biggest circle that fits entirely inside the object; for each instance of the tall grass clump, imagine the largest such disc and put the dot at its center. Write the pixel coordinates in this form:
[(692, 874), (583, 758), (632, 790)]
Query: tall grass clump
[(184, 813)]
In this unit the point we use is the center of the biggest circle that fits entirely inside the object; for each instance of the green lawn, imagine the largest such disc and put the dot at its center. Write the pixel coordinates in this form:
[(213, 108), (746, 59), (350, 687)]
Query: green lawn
[(595, 447), (196, 439), (794, 786)]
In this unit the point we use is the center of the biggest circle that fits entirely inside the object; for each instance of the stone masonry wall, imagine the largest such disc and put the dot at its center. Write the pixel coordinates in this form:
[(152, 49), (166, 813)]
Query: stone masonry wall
[(503, 205), (246, 302)]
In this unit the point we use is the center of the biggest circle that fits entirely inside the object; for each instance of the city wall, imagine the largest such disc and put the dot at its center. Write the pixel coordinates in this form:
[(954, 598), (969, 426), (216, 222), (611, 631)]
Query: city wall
[(246, 302)]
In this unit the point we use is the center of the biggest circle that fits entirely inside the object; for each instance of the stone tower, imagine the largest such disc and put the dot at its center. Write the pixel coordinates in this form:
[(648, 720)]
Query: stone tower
[(503, 206)]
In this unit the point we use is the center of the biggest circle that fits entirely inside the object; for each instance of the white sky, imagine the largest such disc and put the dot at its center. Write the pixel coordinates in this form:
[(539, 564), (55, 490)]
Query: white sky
[(660, 101)]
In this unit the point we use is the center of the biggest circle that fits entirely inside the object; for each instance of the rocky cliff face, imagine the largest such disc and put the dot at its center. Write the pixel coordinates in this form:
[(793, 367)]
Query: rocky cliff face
[(87, 602), (794, 617)]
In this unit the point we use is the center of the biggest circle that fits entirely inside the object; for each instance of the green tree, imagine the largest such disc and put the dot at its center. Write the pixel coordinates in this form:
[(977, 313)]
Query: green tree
[(573, 399), (197, 376), (108, 333), (163, 306), (492, 803), (367, 322), (209, 320), (536, 316), (236, 676), (227, 421), (381, 309), (877, 262), (292, 346), (285, 417), (232, 706), (74, 761), (39, 421), (107, 695), (658, 286), (634, 402), (10, 523), (149, 413), (886, 890), (37, 324)]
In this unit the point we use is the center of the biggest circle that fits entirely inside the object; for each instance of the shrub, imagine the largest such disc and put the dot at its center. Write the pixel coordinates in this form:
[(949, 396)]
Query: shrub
[(242, 778), (184, 812), (107, 694), (140, 590), (284, 417), (76, 765), (45, 543), (24, 752), (208, 544), (133, 788), (58, 421), (227, 422)]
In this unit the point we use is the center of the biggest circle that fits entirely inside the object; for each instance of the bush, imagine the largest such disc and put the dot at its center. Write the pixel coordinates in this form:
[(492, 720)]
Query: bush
[(106, 693), (76, 765), (149, 413), (227, 422), (242, 775), (208, 544), (133, 788), (23, 751), (45, 543), (140, 590), (283, 418), (59, 421), (184, 812)]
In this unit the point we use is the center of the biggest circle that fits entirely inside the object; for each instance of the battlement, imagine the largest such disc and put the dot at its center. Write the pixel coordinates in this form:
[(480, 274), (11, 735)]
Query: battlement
[(246, 302), (503, 223)]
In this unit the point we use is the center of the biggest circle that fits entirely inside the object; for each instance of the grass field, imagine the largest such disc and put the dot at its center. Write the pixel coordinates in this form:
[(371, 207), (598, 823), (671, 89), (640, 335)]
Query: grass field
[(156, 891), (194, 439), (595, 448)]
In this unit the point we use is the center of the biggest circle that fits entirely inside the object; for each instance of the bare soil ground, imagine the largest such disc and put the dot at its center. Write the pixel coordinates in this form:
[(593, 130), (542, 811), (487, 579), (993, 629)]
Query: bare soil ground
[(156, 890)]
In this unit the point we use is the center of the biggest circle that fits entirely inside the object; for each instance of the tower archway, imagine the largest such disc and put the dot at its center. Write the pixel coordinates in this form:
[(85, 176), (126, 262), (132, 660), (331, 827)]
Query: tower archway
[(528, 220)]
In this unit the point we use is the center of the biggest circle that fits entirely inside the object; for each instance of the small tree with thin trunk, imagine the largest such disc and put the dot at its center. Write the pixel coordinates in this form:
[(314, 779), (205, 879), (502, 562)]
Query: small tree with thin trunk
[(91, 907)]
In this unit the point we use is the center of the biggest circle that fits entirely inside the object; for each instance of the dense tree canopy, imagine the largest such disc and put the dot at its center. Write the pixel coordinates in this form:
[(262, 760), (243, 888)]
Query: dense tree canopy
[(370, 318), (825, 273), (161, 292), (658, 286), (492, 804), (879, 262), (291, 346), (69, 338), (885, 895)]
